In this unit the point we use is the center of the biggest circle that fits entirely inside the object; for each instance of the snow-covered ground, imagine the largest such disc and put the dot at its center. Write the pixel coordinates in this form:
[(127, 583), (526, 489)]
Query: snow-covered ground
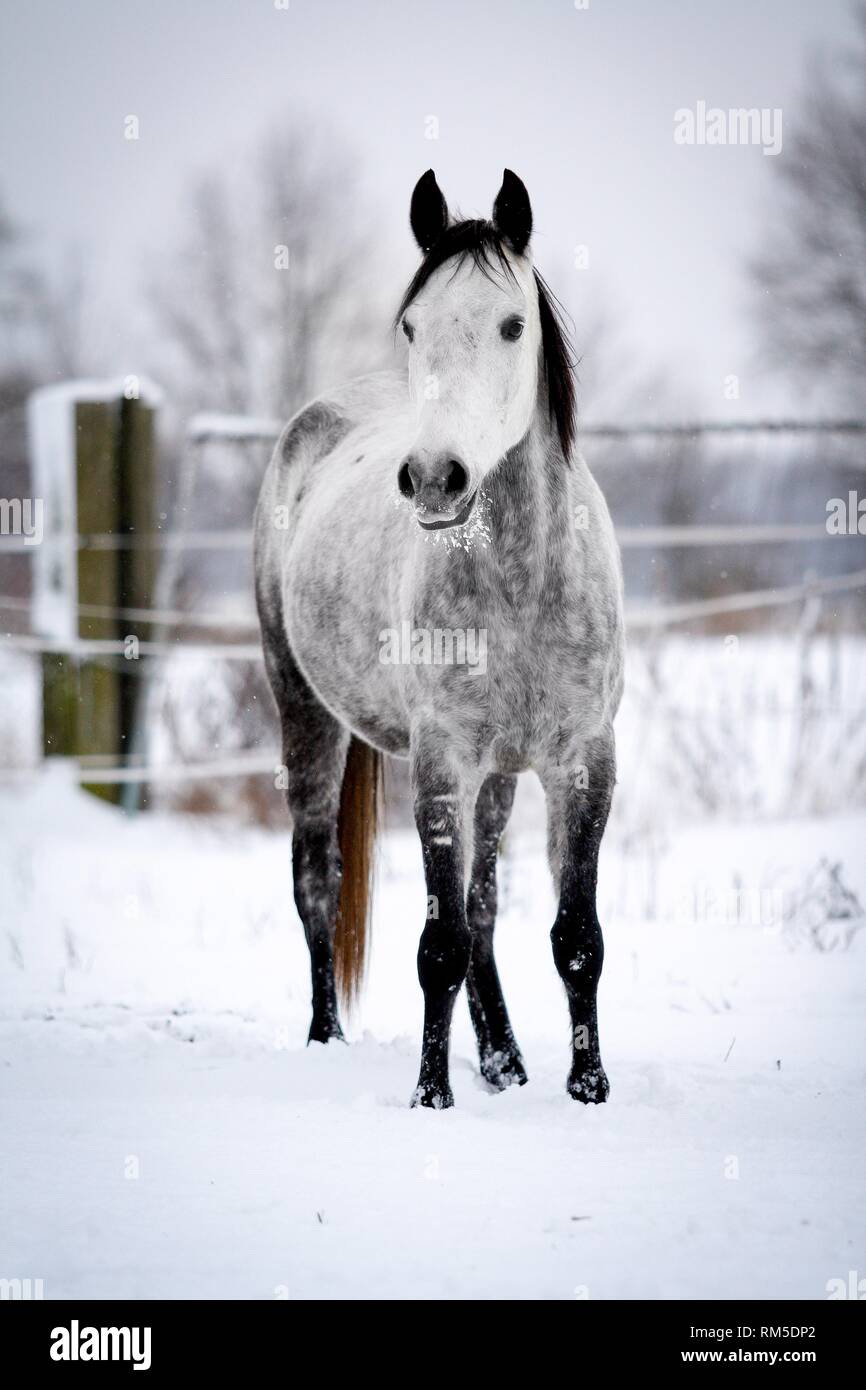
[(167, 1133)]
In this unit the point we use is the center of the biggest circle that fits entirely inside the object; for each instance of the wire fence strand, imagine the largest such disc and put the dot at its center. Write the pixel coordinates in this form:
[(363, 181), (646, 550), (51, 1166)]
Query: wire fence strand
[(236, 430)]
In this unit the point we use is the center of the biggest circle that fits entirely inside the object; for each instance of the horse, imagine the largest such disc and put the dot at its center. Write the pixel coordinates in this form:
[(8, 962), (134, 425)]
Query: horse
[(447, 498)]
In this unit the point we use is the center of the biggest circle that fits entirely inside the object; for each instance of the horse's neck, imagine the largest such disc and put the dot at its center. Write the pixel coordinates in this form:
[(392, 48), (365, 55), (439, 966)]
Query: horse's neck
[(528, 519)]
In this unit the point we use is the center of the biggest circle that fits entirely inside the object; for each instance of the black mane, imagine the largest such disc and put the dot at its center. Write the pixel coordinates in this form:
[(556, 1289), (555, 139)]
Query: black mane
[(480, 240)]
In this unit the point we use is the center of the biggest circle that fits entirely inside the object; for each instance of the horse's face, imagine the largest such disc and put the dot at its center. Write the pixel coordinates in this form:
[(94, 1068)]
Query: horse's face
[(474, 342), (473, 363)]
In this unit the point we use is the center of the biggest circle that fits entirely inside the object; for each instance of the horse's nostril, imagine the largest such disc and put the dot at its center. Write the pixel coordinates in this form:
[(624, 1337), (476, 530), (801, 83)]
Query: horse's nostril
[(432, 484), (404, 481), (457, 478)]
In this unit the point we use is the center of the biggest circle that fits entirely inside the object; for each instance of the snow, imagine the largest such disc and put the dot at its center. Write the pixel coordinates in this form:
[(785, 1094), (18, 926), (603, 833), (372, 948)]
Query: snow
[(233, 427), (168, 1134)]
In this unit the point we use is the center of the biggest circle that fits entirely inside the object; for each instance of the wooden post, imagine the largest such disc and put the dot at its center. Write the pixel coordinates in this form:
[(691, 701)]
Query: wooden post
[(136, 580), (93, 462), (97, 490)]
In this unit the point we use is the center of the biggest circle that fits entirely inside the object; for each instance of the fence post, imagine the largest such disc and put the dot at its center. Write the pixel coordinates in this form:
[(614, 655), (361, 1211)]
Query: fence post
[(92, 458), (136, 581), (97, 488)]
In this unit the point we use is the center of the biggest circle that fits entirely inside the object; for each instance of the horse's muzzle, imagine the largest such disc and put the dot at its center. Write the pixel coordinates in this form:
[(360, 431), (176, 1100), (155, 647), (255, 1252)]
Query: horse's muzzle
[(462, 516), (438, 485)]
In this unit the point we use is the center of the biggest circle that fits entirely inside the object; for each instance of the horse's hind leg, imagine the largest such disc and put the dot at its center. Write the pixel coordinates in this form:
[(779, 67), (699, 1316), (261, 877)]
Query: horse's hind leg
[(314, 755), (501, 1062)]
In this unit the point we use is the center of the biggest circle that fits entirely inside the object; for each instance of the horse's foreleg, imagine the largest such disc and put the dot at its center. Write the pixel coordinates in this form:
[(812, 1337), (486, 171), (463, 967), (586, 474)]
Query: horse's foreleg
[(443, 953), (499, 1055), (579, 805)]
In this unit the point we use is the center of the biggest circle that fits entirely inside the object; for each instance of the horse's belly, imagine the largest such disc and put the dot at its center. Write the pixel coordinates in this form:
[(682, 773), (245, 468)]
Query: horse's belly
[(361, 698)]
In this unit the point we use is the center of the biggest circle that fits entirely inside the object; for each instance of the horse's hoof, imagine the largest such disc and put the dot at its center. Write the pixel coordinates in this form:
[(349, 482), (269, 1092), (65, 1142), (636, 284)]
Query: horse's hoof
[(324, 1033), (590, 1087), (503, 1069), (432, 1097)]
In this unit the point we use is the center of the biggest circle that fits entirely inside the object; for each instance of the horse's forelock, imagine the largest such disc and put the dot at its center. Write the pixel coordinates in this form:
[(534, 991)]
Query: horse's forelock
[(479, 239), (474, 237)]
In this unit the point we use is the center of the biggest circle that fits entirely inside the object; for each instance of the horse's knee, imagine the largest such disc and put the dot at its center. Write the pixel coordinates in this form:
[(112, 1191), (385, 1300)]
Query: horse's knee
[(443, 957), (578, 950)]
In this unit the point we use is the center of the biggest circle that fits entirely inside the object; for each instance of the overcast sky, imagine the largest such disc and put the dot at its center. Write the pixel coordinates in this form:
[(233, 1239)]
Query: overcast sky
[(579, 102)]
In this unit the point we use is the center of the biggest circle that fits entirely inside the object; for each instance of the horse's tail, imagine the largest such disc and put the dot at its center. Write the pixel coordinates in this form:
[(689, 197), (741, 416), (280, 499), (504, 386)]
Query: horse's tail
[(360, 803)]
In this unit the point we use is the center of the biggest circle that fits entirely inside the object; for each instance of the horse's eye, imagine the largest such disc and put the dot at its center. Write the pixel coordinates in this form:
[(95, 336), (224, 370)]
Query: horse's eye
[(512, 328), (408, 330)]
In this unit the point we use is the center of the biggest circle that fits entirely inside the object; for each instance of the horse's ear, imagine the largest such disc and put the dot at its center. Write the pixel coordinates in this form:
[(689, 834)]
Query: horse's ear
[(512, 213), (428, 212)]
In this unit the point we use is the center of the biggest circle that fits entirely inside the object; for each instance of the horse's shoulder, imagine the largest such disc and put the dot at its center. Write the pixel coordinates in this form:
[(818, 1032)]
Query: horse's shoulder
[(596, 537), (585, 490)]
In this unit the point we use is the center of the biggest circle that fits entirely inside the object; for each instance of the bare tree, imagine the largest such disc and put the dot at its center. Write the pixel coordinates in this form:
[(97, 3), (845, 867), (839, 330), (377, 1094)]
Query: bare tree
[(272, 296), (810, 276), (40, 316), (276, 292)]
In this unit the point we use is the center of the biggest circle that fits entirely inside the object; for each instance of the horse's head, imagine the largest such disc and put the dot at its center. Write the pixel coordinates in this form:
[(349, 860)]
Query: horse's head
[(473, 319)]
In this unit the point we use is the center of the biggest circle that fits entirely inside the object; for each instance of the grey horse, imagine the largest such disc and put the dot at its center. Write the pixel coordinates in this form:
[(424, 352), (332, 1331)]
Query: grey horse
[(437, 578)]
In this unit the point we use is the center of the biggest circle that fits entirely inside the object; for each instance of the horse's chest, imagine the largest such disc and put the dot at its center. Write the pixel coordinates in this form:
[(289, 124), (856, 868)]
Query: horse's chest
[(538, 680), (531, 690)]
